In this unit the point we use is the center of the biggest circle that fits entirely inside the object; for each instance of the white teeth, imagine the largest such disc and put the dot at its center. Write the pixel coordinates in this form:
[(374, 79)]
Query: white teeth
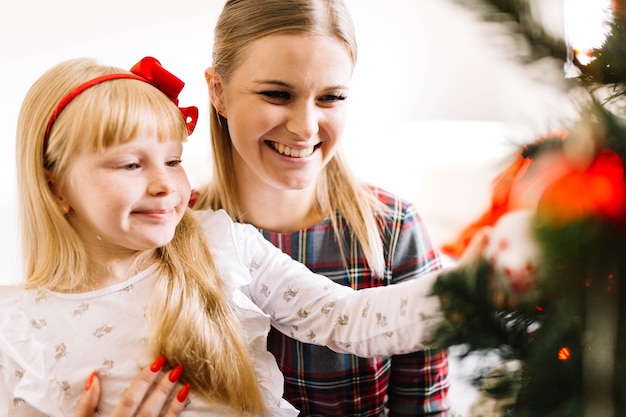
[(296, 153)]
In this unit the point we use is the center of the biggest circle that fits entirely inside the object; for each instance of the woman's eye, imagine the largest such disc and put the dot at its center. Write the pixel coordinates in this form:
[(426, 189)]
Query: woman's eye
[(333, 98), (174, 163), (276, 95)]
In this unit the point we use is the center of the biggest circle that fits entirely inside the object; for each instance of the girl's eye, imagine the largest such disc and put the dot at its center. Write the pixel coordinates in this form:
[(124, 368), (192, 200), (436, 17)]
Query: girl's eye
[(276, 95), (130, 167)]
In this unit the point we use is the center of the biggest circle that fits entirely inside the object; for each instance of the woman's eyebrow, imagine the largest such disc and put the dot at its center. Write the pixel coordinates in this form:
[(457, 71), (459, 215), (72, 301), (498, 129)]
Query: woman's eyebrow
[(284, 84)]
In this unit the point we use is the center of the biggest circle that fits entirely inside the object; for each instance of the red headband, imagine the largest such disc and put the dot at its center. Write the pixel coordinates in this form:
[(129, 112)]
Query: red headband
[(148, 70)]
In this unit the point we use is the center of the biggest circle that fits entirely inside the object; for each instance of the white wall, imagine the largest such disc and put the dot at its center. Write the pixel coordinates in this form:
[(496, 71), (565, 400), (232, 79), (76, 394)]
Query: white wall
[(421, 61)]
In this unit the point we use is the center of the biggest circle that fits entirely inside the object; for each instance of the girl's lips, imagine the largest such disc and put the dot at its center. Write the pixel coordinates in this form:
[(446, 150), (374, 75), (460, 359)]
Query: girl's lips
[(156, 214)]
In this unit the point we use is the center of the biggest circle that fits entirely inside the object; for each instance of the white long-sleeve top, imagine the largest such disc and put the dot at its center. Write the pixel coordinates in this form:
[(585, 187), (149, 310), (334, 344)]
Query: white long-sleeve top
[(50, 342)]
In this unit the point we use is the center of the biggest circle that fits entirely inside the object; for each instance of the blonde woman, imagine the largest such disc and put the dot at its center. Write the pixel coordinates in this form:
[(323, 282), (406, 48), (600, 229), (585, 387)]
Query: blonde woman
[(120, 271), (279, 85)]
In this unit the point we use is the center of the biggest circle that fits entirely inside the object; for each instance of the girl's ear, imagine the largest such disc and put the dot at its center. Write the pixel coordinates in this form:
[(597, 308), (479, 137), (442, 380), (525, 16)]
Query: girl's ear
[(64, 206), (216, 90)]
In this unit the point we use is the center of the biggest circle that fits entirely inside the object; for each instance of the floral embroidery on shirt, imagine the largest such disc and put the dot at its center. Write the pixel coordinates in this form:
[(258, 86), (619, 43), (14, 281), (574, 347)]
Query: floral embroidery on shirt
[(265, 290), (81, 310), (38, 323), (41, 295), (65, 386), (342, 320), (381, 320), (302, 313), (327, 308), (61, 352), (289, 294), (365, 310), (403, 303), (254, 265), (310, 335), (106, 367), (102, 330)]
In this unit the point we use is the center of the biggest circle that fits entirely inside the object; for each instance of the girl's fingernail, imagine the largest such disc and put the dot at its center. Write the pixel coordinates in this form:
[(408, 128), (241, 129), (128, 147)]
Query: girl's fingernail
[(90, 380), (182, 394), (158, 364), (175, 373)]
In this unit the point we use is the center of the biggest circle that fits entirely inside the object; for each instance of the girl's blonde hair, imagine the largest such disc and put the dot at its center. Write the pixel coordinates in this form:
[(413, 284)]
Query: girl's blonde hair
[(339, 194), (191, 320)]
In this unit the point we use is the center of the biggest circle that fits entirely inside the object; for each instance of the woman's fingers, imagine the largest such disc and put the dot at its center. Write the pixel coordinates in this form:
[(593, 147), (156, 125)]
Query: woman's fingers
[(151, 393), (162, 393), (177, 404), (134, 395), (88, 402)]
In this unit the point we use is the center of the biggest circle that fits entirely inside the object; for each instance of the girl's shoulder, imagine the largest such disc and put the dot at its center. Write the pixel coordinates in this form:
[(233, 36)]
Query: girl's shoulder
[(14, 295), (220, 228)]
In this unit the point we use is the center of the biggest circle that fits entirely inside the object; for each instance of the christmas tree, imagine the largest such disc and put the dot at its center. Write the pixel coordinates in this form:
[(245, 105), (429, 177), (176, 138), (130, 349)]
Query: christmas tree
[(558, 249)]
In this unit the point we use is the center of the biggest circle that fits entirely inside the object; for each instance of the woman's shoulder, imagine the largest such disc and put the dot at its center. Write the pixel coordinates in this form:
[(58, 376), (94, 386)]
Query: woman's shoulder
[(392, 204), (385, 196)]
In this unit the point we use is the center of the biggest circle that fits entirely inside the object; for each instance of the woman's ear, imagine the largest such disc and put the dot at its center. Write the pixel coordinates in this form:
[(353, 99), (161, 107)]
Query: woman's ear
[(216, 90), (64, 206)]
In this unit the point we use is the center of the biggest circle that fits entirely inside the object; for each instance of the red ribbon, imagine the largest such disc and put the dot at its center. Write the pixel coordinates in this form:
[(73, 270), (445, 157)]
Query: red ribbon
[(151, 69)]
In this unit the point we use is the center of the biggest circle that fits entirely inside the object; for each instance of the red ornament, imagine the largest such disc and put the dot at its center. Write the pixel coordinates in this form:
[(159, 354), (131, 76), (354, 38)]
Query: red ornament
[(599, 190)]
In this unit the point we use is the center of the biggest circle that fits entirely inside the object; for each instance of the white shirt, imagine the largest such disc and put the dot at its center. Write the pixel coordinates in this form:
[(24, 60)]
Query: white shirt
[(50, 342)]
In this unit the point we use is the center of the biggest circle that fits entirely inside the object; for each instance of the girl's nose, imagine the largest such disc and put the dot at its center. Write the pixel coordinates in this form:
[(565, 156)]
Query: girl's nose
[(161, 182)]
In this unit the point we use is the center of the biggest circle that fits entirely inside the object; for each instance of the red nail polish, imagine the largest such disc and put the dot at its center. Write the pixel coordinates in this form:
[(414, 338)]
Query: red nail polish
[(182, 394), (175, 373), (90, 380), (158, 364)]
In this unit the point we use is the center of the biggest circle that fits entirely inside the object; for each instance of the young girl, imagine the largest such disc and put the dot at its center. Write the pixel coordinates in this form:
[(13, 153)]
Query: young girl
[(279, 85), (119, 270)]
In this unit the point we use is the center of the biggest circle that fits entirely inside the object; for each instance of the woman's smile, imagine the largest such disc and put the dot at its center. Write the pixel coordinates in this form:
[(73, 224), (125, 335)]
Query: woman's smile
[(292, 151)]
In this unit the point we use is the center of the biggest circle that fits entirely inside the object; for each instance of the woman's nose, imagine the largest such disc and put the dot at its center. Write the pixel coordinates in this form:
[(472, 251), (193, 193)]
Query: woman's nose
[(304, 120)]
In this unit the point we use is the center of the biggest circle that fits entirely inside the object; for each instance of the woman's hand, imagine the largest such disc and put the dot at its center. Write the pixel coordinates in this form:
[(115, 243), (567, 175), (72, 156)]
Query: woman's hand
[(149, 394)]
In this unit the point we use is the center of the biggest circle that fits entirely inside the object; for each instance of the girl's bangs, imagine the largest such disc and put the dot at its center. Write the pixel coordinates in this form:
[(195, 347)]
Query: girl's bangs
[(116, 112)]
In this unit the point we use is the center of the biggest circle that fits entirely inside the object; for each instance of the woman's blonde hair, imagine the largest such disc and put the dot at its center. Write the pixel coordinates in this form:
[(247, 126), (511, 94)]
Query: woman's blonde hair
[(191, 320), (339, 194)]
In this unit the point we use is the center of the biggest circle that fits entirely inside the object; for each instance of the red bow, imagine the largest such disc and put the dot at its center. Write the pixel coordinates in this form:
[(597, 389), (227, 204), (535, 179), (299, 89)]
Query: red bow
[(151, 69)]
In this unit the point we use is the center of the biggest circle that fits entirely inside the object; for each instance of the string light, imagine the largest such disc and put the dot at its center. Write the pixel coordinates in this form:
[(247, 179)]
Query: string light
[(564, 353)]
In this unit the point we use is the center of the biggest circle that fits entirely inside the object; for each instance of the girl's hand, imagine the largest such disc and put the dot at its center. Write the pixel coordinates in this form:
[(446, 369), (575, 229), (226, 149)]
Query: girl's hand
[(149, 394)]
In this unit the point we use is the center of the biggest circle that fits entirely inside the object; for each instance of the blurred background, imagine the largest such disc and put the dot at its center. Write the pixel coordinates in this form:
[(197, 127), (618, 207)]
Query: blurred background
[(437, 104)]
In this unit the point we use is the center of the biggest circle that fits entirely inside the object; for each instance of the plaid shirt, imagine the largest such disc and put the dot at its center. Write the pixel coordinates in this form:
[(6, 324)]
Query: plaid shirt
[(320, 382)]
